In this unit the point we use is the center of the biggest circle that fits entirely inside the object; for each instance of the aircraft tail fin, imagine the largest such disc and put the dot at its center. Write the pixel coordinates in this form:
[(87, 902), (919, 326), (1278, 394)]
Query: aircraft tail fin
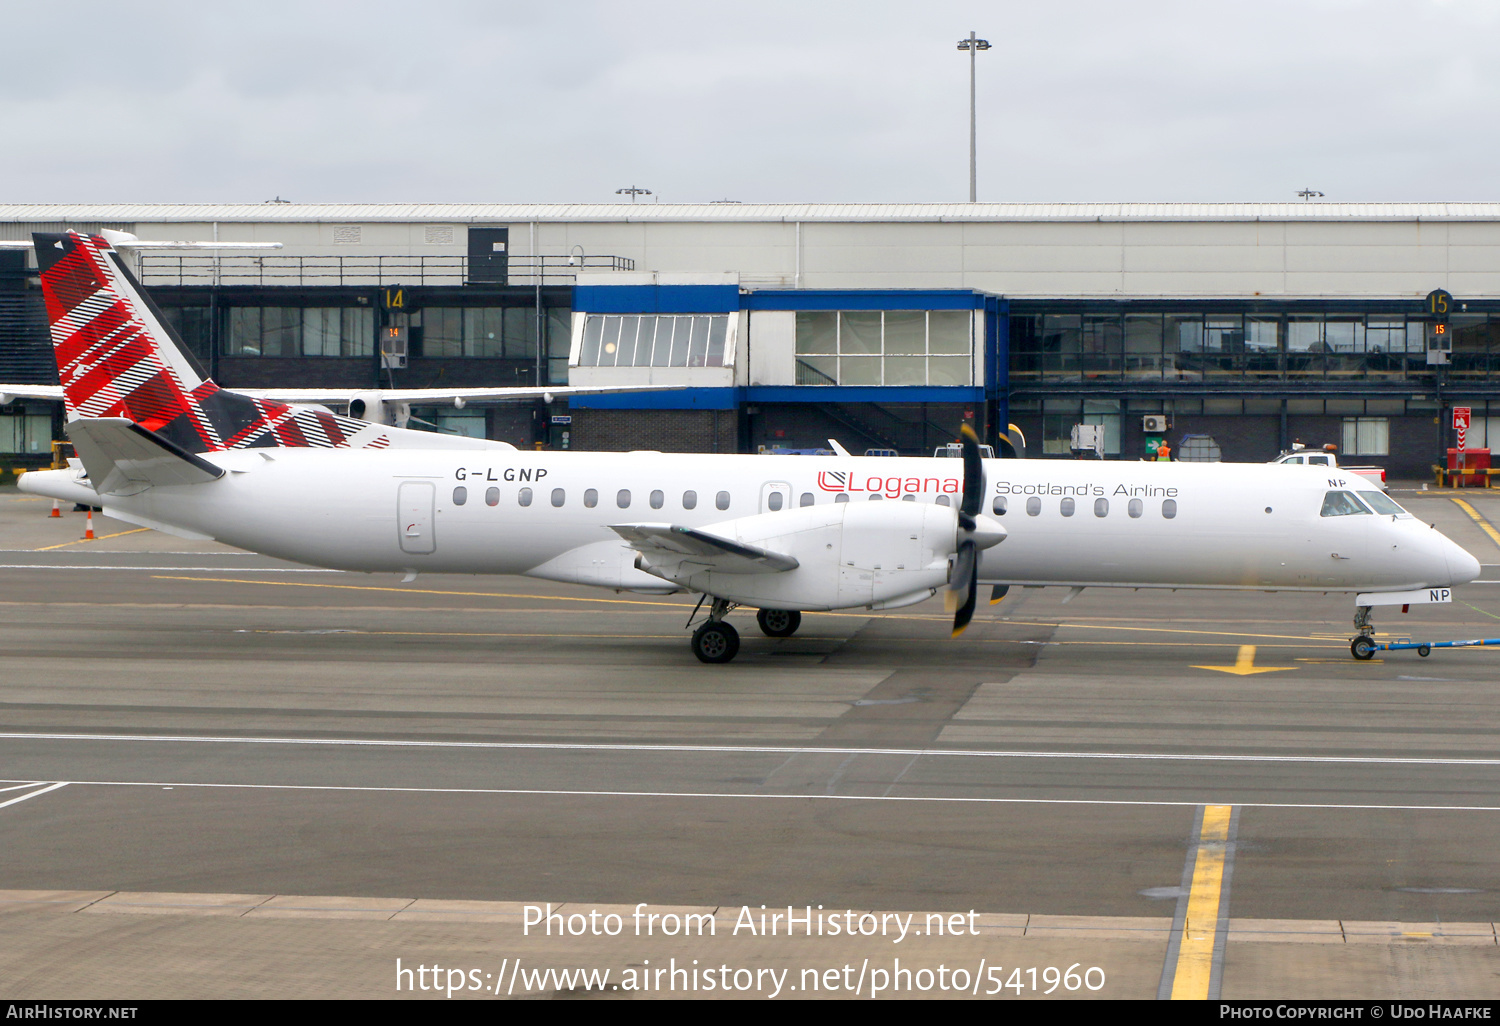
[(117, 357)]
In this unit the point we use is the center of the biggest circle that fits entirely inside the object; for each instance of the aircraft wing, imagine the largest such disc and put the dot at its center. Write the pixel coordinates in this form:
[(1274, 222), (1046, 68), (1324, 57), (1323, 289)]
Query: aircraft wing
[(669, 543), (9, 392), (457, 396)]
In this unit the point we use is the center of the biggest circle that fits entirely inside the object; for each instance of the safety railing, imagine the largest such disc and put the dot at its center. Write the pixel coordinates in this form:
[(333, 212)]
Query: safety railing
[(363, 269)]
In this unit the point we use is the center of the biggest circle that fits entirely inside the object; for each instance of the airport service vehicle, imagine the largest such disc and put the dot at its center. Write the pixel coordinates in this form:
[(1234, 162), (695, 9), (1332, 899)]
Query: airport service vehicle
[(956, 450), (1325, 458), (783, 534)]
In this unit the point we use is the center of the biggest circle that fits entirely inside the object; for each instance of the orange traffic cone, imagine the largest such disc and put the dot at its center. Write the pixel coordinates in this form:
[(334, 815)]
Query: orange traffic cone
[(55, 511), (88, 526)]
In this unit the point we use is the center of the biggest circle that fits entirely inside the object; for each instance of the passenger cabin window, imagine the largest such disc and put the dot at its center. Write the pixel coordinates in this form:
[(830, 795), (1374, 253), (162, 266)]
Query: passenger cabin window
[(559, 496), (1169, 508), (1067, 506), (807, 499), (658, 497), (1135, 508), (1101, 507), (876, 496), (773, 501), (721, 501), (524, 496), (942, 500), (460, 495), (492, 496), (1033, 507), (841, 497), (908, 497), (998, 506), (591, 498), (689, 499), (623, 498), (1342, 504)]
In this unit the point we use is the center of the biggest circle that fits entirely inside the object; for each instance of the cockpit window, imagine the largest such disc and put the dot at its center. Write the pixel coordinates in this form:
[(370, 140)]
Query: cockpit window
[(1383, 504), (1342, 504)]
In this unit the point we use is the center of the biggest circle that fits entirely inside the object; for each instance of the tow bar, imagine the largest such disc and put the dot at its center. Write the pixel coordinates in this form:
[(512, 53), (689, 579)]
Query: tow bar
[(1423, 648)]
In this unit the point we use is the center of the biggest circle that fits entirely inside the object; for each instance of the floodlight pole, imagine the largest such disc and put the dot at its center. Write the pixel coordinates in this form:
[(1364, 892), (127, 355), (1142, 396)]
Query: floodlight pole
[(973, 44)]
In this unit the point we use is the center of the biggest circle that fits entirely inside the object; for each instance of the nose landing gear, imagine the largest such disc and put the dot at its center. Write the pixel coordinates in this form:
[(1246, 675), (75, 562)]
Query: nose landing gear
[(1363, 646)]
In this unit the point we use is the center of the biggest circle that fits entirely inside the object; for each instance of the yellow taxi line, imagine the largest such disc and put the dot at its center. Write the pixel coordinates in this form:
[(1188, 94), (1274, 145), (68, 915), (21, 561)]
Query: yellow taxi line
[(80, 541), (1200, 928), (1484, 525)]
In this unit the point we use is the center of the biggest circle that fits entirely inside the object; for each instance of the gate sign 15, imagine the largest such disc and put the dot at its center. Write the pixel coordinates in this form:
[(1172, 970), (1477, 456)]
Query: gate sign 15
[(1439, 305)]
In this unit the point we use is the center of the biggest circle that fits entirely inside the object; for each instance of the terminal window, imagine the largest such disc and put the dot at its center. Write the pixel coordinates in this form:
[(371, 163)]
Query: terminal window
[(654, 340), (290, 331), (885, 347), (29, 433), (1367, 436)]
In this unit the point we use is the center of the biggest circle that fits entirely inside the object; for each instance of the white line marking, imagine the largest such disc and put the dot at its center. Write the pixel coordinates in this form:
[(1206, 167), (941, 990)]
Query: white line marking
[(161, 552), (561, 746), (214, 569), (949, 799), (33, 794), (29, 783)]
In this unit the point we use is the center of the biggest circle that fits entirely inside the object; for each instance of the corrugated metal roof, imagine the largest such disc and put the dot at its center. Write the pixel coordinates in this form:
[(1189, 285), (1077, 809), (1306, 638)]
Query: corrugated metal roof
[(513, 213)]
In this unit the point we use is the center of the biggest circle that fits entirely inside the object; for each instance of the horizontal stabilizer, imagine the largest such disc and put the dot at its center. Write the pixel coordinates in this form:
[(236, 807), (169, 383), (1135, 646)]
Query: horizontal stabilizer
[(123, 458), (671, 543)]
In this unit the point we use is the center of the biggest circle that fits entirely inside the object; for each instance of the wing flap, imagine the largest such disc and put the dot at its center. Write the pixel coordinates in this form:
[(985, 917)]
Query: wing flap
[(123, 458), (672, 544)]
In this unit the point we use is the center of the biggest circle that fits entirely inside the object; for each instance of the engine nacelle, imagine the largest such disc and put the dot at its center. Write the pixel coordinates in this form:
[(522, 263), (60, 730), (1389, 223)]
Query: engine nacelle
[(373, 408), (848, 554)]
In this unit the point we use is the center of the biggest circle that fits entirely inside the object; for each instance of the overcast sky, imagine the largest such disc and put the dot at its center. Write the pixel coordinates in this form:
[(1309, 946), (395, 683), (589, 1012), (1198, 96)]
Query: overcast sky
[(776, 101)]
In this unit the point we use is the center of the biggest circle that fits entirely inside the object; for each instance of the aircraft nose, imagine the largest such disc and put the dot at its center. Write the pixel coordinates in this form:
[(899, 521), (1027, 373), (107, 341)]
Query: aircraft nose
[(1462, 567)]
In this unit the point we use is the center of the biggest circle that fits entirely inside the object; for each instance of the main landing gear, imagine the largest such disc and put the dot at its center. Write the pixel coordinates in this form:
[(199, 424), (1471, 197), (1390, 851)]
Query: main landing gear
[(778, 623), (1363, 646), (716, 641)]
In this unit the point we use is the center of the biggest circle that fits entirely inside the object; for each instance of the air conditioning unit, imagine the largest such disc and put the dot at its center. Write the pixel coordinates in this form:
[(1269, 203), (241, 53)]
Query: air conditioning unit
[(393, 348), (1154, 423)]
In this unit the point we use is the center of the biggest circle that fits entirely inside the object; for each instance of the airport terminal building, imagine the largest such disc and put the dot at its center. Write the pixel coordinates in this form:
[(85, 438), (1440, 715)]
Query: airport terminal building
[(884, 326)]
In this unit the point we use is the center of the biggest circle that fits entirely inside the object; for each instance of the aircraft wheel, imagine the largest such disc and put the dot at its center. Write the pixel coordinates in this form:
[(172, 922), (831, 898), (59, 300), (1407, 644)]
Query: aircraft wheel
[(1362, 648), (778, 623), (716, 642), (1424, 651)]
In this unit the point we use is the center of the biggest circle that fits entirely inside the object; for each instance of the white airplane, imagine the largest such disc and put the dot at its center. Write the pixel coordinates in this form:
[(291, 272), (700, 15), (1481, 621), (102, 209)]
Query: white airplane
[(267, 409), (784, 534)]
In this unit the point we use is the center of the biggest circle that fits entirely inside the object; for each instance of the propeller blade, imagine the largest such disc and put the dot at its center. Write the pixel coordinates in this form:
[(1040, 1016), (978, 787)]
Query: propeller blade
[(997, 592), (965, 582), (973, 472), (970, 587), (965, 562)]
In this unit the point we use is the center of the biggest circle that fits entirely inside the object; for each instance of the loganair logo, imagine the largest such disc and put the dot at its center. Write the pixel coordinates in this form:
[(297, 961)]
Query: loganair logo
[(891, 487)]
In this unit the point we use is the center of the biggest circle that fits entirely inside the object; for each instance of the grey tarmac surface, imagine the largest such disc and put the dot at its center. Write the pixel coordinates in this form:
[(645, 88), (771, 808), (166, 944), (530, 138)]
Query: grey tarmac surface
[(227, 723)]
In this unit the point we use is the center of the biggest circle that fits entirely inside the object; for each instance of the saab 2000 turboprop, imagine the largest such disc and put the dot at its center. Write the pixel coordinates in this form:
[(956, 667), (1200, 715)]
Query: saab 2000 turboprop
[(784, 534)]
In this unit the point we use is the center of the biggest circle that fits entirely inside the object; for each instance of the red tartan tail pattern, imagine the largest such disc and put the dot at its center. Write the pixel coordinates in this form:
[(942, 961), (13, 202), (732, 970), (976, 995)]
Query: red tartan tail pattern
[(116, 362)]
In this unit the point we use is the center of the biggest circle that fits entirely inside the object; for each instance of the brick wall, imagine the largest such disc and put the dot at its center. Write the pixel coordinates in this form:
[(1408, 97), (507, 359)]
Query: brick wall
[(664, 430)]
